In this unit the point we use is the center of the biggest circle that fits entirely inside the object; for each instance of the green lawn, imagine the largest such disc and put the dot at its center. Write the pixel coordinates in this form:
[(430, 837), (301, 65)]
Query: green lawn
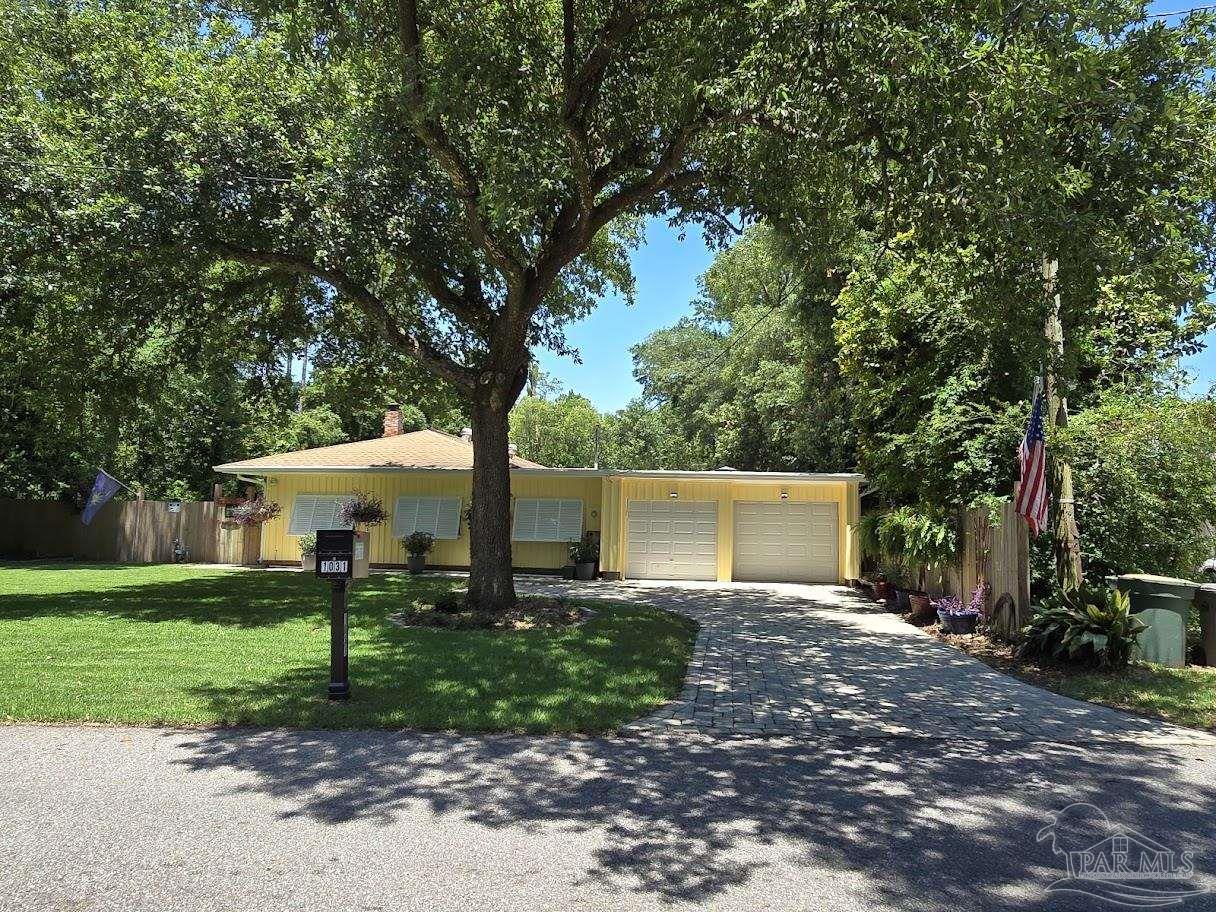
[(170, 644), (1186, 696)]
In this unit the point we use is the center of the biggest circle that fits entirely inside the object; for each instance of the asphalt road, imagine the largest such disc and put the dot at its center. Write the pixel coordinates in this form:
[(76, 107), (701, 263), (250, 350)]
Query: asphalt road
[(142, 819)]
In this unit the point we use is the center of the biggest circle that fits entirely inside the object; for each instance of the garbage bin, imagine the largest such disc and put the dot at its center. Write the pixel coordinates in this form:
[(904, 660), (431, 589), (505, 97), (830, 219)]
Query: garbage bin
[(1205, 601), (1163, 603)]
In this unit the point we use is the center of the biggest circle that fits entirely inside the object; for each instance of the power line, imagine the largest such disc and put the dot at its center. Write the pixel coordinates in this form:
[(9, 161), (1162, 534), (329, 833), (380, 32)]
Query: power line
[(1181, 12)]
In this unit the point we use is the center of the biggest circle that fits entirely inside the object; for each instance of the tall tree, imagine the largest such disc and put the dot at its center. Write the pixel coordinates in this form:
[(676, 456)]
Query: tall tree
[(463, 172)]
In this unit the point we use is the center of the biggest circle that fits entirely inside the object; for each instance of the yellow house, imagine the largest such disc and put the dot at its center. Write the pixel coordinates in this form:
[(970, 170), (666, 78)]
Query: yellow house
[(720, 525)]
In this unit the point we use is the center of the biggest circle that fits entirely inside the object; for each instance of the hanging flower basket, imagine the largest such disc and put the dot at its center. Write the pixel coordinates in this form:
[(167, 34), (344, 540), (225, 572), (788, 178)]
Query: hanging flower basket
[(254, 512)]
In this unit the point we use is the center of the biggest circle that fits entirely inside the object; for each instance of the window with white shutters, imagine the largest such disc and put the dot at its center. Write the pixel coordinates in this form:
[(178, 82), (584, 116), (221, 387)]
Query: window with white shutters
[(311, 512), (438, 515), (547, 520)]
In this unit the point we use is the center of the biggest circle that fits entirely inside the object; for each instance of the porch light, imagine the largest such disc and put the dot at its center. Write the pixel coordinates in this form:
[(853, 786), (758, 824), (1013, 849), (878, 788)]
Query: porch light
[(674, 494), (785, 495)]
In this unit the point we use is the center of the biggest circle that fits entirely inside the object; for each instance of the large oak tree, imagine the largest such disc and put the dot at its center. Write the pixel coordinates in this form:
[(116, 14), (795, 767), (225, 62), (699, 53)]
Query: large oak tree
[(466, 173)]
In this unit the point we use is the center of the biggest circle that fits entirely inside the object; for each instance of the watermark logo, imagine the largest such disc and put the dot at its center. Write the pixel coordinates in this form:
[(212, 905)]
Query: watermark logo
[(1114, 863)]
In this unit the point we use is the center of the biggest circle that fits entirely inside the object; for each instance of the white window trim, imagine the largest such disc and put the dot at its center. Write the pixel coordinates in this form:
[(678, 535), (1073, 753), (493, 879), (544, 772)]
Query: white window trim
[(446, 524), (563, 521), (323, 513)]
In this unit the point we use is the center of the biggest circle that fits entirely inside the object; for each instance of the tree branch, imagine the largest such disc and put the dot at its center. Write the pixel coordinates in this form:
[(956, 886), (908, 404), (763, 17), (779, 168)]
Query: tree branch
[(432, 135), (370, 304)]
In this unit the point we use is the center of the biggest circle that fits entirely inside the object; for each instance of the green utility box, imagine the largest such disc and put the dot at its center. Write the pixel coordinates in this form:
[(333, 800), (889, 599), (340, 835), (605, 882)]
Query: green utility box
[(1163, 603)]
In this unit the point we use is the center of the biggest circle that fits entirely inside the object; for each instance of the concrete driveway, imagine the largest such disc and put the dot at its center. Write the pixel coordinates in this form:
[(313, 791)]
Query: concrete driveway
[(703, 814)]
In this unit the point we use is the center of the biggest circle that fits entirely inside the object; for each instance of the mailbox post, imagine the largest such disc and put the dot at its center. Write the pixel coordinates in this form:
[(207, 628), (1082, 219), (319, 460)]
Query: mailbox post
[(335, 562)]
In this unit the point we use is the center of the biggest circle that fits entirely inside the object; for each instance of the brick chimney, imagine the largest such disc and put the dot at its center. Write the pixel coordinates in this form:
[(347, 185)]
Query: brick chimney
[(392, 421)]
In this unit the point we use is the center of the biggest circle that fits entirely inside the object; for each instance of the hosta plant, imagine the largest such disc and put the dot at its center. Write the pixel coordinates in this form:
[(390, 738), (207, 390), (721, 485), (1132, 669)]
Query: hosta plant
[(1086, 624)]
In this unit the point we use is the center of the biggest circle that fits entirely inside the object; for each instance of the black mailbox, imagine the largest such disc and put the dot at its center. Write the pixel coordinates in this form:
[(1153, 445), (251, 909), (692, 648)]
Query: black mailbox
[(335, 554)]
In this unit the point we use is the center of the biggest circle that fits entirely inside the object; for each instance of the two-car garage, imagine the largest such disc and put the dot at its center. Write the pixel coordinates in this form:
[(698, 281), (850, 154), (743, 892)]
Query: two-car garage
[(776, 540)]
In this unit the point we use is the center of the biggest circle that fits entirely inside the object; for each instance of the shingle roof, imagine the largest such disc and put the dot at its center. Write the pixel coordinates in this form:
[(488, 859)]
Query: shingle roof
[(415, 450)]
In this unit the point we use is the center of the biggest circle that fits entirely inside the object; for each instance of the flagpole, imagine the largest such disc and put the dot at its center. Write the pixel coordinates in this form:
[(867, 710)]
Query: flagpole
[(116, 481)]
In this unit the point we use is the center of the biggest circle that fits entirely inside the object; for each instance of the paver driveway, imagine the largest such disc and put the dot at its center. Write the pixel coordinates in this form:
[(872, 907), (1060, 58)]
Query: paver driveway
[(814, 661)]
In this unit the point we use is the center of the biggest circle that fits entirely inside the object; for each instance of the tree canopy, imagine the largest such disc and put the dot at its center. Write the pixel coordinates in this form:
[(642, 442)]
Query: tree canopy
[(465, 178)]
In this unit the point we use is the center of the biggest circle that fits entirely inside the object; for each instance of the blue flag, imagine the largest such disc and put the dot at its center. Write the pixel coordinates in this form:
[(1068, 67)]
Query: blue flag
[(104, 487)]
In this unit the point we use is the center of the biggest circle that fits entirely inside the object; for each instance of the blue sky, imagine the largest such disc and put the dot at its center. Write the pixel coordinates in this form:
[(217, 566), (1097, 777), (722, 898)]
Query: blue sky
[(667, 269)]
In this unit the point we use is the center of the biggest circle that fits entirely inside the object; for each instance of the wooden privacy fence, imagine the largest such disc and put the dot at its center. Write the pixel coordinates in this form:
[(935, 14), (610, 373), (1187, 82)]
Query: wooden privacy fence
[(999, 550), (135, 532)]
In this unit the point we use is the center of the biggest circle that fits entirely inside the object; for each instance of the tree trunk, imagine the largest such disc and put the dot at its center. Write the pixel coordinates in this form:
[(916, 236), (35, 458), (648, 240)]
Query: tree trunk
[(1066, 538), (491, 586)]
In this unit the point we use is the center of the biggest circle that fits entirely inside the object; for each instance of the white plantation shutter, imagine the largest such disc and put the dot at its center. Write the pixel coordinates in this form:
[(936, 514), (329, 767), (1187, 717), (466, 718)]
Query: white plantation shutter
[(310, 512), (547, 520), (438, 515)]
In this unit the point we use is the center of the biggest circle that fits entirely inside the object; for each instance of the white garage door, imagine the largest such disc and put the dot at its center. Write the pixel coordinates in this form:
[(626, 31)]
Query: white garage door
[(672, 539), (786, 542)]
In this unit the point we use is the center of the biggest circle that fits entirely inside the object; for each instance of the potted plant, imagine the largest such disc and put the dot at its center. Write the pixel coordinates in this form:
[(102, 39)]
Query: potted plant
[(417, 546), (896, 581), (956, 617), (361, 511), (584, 554), (308, 551)]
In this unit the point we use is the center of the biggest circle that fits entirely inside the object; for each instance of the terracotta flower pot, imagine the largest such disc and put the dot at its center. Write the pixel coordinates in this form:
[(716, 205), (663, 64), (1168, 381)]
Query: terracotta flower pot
[(920, 605), (882, 591)]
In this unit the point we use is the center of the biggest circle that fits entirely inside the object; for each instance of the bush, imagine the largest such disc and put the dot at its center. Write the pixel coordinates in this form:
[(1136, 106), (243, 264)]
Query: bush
[(1091, 624), (1145, 482), (308, 544)]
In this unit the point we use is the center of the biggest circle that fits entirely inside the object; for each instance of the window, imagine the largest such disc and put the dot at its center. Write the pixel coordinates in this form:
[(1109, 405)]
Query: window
[(547, 520), (311, 512), (438, 515)]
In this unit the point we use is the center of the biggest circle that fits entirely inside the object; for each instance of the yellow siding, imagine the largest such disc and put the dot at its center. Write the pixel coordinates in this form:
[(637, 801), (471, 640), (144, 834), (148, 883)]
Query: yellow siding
[(604, 507), (619, 491), (277, 545)]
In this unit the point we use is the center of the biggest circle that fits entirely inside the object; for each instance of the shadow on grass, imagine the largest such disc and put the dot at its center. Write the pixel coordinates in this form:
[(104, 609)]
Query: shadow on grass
[(618, 665), (909, 824), (209, 596)]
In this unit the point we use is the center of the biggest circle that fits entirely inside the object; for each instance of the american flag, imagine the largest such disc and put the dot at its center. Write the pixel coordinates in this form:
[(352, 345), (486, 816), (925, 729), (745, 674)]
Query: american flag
[(1031, 499)]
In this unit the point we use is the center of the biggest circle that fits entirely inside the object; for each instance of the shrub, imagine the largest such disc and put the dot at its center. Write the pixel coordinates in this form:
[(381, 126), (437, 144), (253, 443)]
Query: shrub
[(362, 509), (418, 544), (308, 544), (1089, 624)]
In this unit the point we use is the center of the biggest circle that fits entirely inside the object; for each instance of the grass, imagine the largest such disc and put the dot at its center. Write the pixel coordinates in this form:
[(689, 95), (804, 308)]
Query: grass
[(1184, 696), (189, 645)]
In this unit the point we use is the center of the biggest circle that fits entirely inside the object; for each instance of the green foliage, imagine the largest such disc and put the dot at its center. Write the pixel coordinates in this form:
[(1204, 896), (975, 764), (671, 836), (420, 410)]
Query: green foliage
[(556, 432), (418, 544), (752, 378), (308, 544), (274, 430), (920, 538), (1089, 624), (869, 543), (584, 551), (1145, 483)]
